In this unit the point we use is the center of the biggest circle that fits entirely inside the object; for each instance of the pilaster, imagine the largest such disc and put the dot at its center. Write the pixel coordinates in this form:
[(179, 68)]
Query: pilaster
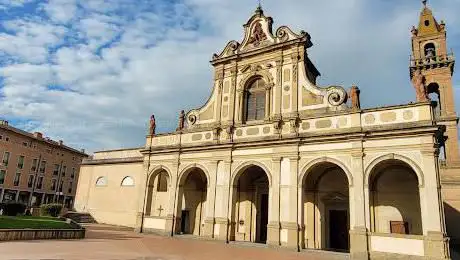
[(221, 210), (436, 246), (278, 88), (273, 227), (358, 224), (142, 193), (209, 221), (430, 193)]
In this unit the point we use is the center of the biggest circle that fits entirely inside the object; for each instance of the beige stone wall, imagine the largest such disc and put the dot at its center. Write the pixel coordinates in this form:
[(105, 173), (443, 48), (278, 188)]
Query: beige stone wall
[(396, 198), (111, 203)]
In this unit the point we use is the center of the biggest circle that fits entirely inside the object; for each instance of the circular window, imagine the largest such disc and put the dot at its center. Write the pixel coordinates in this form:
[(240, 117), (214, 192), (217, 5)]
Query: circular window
[(427, 22)]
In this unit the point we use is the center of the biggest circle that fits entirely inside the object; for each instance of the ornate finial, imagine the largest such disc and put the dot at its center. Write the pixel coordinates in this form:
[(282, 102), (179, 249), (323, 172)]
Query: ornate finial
[(424, 2), (259, 8)]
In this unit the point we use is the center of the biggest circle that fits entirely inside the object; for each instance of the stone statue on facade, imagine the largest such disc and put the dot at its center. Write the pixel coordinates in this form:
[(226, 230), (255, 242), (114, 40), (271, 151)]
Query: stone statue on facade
[(418, 80), (354, 96), (152, 125), (181, 124), (258, 35)]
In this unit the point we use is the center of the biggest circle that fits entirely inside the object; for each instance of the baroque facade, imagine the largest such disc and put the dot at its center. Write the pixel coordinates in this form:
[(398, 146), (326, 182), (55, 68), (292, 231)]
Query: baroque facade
[(274, 158)]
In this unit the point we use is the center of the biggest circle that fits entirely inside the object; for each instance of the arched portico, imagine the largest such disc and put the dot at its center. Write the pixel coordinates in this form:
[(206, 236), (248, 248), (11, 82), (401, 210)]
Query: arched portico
[(191, 200), (325, 206), (250, 203), (394, 196), (158, 189)]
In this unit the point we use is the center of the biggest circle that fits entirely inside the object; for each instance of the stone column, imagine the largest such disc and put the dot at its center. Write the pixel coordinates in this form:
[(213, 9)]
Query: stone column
[(358, 229), (273, 228), (436, 241), (209, 220)]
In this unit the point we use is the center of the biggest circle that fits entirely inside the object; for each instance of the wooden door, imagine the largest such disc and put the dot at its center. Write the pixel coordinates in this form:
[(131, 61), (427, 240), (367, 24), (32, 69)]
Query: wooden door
[(338, 230)]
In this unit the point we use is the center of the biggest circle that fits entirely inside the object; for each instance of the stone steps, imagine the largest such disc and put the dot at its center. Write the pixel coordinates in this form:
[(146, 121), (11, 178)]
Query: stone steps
[(80, 217)]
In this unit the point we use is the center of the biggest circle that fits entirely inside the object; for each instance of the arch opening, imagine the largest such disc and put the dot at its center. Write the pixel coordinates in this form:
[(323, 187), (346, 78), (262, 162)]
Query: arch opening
[(325, 208), (430, 52), (250, 205), (394, 199), (434, 94), (192, 202), (158, 199)]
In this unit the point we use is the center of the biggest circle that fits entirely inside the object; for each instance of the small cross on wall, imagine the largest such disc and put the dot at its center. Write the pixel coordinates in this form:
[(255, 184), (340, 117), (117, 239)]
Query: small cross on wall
[(160, 209)]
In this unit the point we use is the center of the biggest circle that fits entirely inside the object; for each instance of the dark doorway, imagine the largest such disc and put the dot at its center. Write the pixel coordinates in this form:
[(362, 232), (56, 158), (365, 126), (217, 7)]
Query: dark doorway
[(263, 218), (338, 230), (184, 221)]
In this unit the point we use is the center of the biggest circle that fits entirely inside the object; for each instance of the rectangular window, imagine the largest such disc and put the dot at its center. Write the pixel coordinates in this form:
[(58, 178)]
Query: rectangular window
[(64, 168), (6, 158), (20, 162), (30, 182), (56, 169), (17, 179), (70, 187), (34, 165), (25, 144), (61, 186), (42, 166), (53, 184), (2, 176), (40, 183), (72, 175)]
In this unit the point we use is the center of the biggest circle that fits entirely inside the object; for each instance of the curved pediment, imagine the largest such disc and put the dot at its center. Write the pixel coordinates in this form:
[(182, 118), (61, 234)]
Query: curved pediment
[(258, 33)]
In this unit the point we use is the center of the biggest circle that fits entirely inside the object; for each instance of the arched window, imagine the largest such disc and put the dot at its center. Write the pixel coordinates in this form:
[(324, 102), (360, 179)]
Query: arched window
[(101, 181), (255, 100), (433, 92), (127, 181), (430, 51), (162, 185)]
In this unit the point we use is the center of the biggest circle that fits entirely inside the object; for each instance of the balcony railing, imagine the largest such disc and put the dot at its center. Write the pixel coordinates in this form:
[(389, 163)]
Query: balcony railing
[(430, 60)]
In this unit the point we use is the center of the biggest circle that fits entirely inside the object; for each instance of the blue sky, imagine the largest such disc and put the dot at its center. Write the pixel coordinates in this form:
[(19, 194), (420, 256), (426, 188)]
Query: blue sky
[(91, 72)]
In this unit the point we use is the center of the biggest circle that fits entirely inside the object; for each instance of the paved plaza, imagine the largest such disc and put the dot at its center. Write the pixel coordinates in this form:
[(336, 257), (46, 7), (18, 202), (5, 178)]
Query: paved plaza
[(104, 242)]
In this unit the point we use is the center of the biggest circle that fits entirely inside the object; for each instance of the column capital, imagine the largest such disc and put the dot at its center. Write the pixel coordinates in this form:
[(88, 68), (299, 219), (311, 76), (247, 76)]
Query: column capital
[(276, 159), (429, 151), (357, 154)]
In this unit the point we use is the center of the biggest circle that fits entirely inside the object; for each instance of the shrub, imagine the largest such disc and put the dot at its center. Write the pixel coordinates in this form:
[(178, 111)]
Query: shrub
[(52, 210), (13, 208)]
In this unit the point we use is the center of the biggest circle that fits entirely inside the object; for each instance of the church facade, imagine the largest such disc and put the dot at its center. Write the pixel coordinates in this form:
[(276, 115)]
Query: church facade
[(274, 158)]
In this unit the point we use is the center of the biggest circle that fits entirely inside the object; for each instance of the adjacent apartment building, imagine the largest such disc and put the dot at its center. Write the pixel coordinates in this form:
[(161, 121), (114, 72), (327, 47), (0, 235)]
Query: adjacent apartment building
[(35, 169)]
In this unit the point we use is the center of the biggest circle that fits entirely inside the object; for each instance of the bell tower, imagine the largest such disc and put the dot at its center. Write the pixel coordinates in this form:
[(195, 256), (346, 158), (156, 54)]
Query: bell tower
[(431, 56)]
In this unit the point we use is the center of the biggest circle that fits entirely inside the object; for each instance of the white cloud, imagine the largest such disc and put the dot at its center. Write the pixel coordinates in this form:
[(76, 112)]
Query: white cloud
[(7, 4), (112, 63), (61, 11)]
